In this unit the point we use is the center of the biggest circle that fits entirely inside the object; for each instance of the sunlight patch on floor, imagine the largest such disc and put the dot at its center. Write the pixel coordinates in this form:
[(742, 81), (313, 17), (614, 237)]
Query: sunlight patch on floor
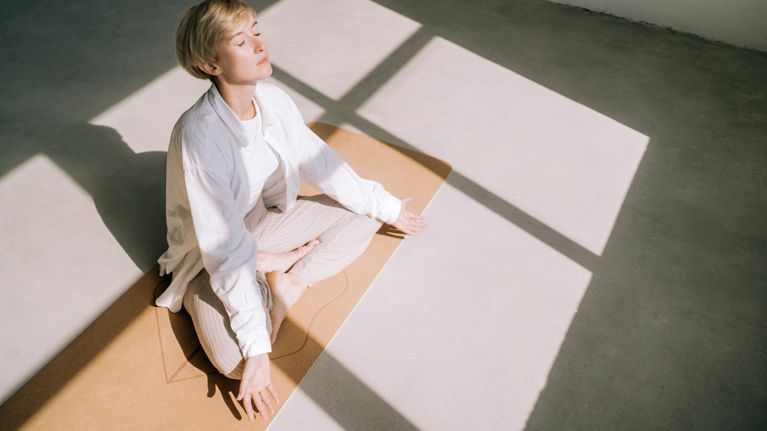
[(56, 231), (561, 162), (334, 44), (145, 119)]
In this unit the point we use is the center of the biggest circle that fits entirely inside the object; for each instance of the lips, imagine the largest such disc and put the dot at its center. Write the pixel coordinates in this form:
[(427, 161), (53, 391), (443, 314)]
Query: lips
[(263, 61)]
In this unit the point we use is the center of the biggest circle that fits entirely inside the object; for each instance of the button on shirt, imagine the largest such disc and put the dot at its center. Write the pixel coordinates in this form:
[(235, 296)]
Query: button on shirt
[(213, 169)]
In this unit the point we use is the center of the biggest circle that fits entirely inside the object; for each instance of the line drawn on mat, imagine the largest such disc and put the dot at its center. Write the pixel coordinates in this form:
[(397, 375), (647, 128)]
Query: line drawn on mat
[(171, 379)]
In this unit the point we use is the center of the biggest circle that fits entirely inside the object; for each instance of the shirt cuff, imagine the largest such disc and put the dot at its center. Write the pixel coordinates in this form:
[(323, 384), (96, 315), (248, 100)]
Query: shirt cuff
[(390, 208), (260, 345)]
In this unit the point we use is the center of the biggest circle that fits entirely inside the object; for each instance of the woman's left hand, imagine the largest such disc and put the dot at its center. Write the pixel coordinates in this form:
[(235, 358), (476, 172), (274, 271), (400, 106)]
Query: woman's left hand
[(408, 222)]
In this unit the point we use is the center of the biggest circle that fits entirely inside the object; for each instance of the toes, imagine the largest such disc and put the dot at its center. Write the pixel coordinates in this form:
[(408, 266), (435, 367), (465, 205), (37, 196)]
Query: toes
[(310, 245), (301, 251)]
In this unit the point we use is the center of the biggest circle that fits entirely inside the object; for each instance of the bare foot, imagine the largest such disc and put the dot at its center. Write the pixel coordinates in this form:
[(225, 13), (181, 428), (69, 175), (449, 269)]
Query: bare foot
[(286, 289), (268, 262)]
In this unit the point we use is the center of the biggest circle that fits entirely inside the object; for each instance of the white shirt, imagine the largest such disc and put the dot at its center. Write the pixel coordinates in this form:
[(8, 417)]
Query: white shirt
[(210, 169), (275, 185), (268, 179)]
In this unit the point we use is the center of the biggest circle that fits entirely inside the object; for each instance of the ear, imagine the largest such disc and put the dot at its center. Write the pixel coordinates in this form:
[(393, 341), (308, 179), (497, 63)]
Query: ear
[(210, 68)]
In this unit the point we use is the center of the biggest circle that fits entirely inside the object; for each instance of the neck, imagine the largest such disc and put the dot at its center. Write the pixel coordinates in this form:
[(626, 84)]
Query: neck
[(239, 98)]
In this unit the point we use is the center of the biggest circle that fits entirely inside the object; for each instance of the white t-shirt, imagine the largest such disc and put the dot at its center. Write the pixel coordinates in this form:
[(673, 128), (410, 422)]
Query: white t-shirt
[(270, 180)]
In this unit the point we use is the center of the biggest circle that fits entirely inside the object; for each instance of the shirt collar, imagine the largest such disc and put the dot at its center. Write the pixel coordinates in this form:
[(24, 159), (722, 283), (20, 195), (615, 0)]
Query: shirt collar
[(230, 118)]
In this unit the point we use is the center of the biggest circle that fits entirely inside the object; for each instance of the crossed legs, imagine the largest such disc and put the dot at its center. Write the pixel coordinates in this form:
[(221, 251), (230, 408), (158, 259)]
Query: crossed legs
[(342, 236)]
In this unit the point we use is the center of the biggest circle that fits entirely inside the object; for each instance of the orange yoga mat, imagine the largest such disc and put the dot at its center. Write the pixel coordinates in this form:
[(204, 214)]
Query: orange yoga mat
[(141, 367)]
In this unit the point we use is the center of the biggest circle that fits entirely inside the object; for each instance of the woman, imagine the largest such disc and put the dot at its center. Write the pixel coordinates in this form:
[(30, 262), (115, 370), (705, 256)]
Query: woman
[(242, 247)]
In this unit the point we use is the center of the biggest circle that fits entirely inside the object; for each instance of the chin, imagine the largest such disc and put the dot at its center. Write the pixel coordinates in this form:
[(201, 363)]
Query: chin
[(268, 69), (263, 72)]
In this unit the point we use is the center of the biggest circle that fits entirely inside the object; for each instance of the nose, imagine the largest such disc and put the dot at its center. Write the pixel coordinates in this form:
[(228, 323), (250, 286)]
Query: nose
[(258, 44)]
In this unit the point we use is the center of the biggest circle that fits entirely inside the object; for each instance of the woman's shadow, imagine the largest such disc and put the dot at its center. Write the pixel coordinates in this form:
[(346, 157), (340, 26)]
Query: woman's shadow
[(128, 189)]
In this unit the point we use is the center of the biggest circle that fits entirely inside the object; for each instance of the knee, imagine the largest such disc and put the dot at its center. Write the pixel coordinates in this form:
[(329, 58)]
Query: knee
[(324, 199), (374, 223), (226, 364), (234, 374), (369, 226), (365, 222)]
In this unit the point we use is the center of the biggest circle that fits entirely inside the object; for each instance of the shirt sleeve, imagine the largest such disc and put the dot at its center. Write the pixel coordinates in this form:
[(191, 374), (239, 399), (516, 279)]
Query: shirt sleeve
[(321, 166), (227, 248)]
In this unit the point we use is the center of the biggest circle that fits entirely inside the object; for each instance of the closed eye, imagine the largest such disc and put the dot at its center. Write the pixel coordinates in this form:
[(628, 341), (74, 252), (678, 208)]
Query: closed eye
[(243, 42)]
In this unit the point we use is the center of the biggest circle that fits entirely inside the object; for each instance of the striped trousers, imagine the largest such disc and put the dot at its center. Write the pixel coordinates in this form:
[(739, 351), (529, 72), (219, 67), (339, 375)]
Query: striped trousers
[(343, 236)]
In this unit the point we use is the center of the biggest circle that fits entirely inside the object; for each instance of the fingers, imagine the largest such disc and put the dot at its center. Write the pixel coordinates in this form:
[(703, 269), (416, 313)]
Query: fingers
[(273, 392), (412, 230), (409, 222), (265, 397), (413, 224), (260, 398), (249, 407), (417, 221), (260, 405), (417, 229)]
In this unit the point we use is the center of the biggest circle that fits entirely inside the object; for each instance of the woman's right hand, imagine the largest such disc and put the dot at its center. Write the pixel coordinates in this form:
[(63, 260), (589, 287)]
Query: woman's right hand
[(256, 386)]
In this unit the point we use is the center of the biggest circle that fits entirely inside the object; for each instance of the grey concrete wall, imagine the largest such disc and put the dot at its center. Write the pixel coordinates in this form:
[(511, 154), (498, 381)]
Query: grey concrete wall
[(738, 22)]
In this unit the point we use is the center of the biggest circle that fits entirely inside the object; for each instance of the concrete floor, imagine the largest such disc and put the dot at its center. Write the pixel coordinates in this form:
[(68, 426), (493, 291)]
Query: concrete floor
[(595, 261)]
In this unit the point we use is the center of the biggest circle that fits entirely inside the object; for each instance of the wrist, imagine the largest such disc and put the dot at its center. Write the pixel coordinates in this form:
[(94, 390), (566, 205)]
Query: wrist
[(258, 356), (257, 361)]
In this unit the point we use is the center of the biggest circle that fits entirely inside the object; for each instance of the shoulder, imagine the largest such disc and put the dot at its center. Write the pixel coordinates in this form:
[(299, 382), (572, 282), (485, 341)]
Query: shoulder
[(198, 135), (268, 90), (276, 97)]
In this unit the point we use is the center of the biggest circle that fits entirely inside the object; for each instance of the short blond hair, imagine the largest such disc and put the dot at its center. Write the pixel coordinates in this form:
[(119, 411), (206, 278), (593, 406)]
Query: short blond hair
[(203, 28)]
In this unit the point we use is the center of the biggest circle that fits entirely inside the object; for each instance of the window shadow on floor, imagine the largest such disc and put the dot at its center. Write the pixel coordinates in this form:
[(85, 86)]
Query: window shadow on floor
[(669, 333)]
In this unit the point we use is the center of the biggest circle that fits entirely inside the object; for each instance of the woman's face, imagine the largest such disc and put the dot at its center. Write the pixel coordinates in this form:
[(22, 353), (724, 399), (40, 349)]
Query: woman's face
[(243, 58)]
